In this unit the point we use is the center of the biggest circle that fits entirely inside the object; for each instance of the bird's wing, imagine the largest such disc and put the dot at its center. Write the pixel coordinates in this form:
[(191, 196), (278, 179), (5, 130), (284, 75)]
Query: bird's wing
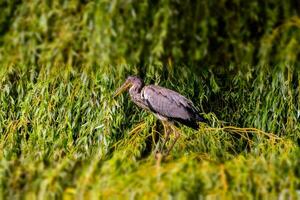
[(168, 103)]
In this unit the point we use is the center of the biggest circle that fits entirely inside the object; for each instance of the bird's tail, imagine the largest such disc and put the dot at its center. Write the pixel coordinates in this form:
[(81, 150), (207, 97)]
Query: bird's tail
[(194, 123), (200, 118)]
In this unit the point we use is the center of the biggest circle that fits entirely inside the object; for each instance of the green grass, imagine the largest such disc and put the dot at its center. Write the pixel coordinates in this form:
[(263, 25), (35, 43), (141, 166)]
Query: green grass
[(63, 135)]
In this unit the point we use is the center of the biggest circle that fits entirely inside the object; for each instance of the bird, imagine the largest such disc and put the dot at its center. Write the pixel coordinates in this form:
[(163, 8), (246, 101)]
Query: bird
[(167, 105)]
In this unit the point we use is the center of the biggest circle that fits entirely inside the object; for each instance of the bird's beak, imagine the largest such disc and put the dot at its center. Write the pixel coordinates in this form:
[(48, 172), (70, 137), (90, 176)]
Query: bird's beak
[(121, 89)]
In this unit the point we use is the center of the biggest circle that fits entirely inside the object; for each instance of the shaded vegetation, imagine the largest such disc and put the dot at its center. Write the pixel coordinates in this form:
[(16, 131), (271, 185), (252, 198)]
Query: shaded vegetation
[(137, 32)]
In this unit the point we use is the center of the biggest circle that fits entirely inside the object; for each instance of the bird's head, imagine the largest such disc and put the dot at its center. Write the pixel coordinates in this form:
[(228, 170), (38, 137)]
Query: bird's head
[(131, 81)]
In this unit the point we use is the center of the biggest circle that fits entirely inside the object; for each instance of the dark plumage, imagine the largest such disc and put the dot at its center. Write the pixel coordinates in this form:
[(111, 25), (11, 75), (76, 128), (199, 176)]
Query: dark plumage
[(166, 104), (171, 105)]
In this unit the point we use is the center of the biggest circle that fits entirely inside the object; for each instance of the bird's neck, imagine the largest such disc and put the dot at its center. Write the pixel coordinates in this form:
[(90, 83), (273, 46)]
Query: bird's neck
[(136, 89), (135, 94)]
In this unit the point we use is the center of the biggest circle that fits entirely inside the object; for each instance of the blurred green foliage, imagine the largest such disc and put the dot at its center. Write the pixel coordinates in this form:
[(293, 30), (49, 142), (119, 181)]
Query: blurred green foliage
[(113, 32)]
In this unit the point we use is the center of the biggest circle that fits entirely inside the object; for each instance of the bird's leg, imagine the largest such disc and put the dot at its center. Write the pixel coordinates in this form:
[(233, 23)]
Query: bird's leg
[(167, 134), (176, 131)]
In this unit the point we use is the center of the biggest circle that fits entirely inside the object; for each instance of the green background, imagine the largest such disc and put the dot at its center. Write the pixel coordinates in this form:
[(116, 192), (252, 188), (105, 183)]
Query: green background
[(63, 135)]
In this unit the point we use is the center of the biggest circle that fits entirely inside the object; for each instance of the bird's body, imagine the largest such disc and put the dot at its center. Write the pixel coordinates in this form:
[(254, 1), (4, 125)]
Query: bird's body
[(167, 105), (171, 105)]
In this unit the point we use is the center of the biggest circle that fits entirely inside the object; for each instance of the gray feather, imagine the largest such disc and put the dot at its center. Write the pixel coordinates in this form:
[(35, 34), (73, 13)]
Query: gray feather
[(168, 103)]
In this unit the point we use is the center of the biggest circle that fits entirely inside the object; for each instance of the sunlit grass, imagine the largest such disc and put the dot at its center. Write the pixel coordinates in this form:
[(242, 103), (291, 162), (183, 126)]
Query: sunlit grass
[(63, 135)]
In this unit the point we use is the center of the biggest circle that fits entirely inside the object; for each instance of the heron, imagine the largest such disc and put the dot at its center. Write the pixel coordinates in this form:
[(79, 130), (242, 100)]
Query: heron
[(167, 105)]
